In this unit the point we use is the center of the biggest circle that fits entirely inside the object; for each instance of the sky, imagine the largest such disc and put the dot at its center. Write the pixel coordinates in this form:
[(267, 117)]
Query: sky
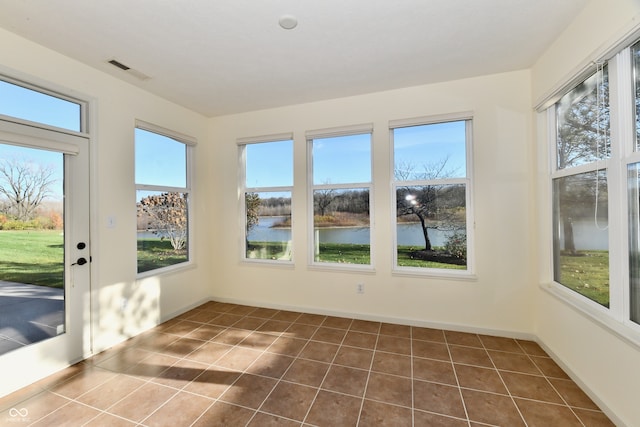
[(158, 152), (336, 160), (347, 159)]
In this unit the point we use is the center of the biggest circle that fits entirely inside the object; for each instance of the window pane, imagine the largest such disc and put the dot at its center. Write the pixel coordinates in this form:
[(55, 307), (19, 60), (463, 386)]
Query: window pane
[(635, 51), (32, 242), (581, 237), (160, 160), (342, 160), (268, 225), (22, 103), (434, 151), (341, 226), (162, 229), (634, 240), (269, 164), (431, 226), (583, 123)]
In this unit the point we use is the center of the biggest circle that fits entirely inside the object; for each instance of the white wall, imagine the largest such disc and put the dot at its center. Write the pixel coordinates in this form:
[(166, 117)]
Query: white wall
[(602, 362), (499, 300), (115, 107)]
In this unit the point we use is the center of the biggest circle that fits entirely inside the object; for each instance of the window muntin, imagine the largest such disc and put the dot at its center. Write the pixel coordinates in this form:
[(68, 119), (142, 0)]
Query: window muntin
[(580, 189), (163, 198), (267, 191), (431, 193), (39, 107), (341, 199)]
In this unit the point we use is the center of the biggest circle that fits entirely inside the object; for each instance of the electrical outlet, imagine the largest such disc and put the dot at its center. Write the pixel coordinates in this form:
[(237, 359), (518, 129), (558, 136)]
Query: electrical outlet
[(360, 288)]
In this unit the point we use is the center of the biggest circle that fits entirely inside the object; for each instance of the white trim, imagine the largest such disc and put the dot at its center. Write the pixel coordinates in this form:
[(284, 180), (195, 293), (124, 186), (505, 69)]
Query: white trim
[(190, 146), (583, 386), (180, 137), (36, 137), (287, 136), (428, 120), (243, 189), (361, 129), (339, 131), (468, 273), (418, 323)]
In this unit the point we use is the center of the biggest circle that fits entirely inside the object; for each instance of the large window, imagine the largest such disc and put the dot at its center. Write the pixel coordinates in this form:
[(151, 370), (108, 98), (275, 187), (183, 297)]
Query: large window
[(594, 130), (431, 190), (580, 190), (340, 165), (633, 188), (266, 191), (163, 197)]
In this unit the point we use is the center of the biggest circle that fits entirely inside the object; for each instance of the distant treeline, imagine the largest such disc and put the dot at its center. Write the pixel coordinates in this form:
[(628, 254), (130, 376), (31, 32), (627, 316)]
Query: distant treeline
[(325, 202)]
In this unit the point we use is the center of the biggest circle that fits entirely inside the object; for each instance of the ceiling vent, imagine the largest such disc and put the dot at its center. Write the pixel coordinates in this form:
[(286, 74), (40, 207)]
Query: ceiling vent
[(135, 73)]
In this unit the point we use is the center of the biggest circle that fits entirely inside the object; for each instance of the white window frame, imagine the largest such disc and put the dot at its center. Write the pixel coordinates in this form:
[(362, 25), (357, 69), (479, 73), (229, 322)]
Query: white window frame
[(616, 318), (243, 189), (469, 272), (190, 144), (311, 135), (83, 108)]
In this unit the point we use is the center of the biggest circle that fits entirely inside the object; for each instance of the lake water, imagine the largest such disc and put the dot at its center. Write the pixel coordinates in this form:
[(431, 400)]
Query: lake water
[(408, 234)]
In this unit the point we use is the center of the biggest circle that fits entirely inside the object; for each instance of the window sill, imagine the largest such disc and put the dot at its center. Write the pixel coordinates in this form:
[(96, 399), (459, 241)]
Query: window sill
[(344, 268), (176, 268), (628, 332), (435, 274), (255, 262)]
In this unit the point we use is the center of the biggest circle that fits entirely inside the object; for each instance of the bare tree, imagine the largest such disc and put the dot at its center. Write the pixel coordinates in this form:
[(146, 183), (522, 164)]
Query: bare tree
[(433, 205), (25, 185), (582, 137), (323, 199)]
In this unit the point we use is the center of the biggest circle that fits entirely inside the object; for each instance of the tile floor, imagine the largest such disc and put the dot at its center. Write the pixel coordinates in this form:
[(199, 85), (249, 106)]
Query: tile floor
[(232, 365)]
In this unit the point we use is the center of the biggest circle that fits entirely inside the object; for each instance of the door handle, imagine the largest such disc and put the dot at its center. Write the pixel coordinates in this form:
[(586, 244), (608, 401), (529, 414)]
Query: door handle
[(80, 261)]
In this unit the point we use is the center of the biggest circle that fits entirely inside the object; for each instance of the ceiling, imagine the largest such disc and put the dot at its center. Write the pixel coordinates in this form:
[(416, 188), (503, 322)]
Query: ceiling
[(229, 56)]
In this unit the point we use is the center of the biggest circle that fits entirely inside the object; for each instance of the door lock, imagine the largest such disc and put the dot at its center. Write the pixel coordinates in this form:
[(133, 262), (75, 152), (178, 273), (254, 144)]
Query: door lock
[(80, 261)]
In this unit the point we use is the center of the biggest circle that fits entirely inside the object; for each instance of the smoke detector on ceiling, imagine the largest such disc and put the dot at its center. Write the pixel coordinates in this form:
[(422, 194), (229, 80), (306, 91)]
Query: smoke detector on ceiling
[(288, 22)]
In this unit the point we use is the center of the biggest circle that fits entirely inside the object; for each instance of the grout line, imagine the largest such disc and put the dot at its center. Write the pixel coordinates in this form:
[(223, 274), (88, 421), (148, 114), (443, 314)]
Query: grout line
[(505, 385), (366, 384), (331, 364), (455, 374)]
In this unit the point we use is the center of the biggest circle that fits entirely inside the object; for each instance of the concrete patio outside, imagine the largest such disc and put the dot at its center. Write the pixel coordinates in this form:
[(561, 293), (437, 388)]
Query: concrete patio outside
[(28, 314)]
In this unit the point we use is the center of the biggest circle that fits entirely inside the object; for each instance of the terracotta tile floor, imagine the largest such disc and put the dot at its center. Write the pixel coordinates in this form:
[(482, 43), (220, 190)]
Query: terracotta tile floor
[(231, 365)]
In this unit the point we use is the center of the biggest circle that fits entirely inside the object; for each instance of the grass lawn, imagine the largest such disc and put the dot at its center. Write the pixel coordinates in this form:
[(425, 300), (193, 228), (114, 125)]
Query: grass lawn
[(343, 253), (154, 253), (33, 257), (406, 259), (588, 274)]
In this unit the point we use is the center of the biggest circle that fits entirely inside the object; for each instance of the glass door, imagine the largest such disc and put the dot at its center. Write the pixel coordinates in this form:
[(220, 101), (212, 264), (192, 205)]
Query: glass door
[(44, 255)]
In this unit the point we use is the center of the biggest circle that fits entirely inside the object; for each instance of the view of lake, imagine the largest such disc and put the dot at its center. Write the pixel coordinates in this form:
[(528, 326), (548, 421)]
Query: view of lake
[(408, 234), (587, 235)]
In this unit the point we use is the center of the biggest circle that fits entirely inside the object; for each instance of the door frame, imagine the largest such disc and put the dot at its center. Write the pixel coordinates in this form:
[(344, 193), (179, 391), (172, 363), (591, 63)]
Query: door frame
[(26, 365)]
